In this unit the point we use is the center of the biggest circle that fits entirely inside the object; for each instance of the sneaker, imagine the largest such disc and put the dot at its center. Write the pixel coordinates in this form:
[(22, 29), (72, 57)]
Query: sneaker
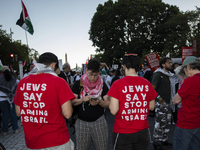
[(5, 133), (166, 143), (16, 131)]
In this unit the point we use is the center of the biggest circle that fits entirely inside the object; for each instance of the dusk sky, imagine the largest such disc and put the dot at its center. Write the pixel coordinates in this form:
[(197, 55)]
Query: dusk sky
[(61, 26)]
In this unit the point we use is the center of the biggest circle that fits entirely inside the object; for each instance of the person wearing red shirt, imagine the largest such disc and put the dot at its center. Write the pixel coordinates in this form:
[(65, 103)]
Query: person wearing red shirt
[(130, 100), (187, 131), (43, 100)]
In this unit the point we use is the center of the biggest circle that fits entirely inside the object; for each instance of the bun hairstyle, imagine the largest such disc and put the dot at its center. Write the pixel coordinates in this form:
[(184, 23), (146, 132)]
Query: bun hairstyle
[(131, 61)]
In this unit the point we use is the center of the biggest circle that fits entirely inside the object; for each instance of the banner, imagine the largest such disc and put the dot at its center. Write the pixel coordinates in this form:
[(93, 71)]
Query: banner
[(194, 47), (186, 51), (153, 60)]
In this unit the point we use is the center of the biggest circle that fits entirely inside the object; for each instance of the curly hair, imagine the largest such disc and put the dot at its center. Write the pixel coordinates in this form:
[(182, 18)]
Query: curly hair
[(163, 61)]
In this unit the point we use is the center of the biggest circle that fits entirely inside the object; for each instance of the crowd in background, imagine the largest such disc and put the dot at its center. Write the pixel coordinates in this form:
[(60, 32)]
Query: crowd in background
[(166, 82)]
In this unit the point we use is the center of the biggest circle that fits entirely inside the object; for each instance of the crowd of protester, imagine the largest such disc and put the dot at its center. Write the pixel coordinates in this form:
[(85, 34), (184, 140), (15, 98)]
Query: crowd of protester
[(48, 99)]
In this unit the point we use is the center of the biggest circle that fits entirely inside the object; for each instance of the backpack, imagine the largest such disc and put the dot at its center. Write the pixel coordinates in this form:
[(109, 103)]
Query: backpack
[(152, 112), (161, 78), (75, 109)]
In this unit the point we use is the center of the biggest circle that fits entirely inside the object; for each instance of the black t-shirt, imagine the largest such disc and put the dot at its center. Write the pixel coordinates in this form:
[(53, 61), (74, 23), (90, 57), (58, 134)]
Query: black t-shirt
[(87, 112)]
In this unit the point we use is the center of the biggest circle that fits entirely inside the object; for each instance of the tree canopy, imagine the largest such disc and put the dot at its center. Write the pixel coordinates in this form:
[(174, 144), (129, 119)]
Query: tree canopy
[(139, 26), (20, 51)]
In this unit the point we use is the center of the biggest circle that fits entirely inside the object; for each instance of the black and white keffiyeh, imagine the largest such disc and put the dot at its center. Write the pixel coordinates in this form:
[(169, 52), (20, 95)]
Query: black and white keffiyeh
[(172, 84)]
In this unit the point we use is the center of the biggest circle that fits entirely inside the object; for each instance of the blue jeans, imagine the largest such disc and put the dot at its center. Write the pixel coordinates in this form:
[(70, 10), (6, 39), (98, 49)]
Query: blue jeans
[(7, 113), (186, 139)]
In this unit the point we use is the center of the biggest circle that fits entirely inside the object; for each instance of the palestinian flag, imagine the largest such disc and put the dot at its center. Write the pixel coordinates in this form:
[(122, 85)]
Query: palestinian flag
[(23, 64), (24, 20)]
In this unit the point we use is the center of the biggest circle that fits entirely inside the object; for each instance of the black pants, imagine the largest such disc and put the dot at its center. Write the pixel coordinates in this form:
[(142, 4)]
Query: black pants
[(135, 141)]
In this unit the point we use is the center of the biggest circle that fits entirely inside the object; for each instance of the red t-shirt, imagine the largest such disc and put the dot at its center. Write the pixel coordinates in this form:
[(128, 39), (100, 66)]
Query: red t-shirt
[(40, 98), (189, 113), (134, 95)]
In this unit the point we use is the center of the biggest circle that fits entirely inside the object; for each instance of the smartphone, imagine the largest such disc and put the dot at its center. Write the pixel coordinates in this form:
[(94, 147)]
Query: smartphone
[(93, 99)]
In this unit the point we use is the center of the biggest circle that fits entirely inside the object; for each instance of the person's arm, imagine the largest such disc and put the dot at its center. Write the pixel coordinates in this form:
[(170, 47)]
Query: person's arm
[(114, 105), (17, 110), (67, 109), (103, 102), (104, 64), (155, 79), (79, 101), (154, 86), (155, 82), (152, 105), (176, 99)]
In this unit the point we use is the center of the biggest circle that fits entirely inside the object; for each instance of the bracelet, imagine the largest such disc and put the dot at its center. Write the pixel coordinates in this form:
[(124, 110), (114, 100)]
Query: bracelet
[(158, 96)]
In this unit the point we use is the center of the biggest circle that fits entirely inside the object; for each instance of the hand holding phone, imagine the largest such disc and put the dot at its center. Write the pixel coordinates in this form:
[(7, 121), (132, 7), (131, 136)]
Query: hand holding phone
[(93, 99)]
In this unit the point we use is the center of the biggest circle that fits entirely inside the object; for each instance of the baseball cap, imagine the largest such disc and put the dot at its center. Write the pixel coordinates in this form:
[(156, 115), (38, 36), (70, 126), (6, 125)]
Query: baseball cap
[(187, 61), (4, 68), (49, 57)]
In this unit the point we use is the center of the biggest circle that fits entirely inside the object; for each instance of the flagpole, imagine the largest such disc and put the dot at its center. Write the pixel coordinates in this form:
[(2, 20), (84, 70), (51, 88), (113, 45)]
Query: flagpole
[(27, 46)]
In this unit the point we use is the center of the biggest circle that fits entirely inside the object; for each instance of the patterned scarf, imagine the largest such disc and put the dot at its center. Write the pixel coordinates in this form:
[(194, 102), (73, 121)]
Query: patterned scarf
[(92, 89), (8, 89), (41, 68), (172, 84)]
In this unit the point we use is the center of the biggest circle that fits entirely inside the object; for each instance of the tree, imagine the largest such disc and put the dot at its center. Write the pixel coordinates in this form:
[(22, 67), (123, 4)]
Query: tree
[(138, 26), (5, 48), (193, 19), (20, 51)]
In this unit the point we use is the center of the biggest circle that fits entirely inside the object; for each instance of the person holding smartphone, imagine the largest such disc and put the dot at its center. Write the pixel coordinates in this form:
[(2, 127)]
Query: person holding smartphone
[(91, 123)]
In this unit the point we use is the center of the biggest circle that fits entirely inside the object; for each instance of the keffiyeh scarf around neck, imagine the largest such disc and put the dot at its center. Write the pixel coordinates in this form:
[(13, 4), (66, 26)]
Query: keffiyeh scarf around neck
[(172, 84), (41, 68), (92, 89)]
